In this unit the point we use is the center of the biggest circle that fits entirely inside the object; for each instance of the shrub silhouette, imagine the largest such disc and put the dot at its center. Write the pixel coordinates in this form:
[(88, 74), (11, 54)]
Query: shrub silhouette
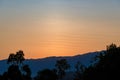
[(46, 75), (13, 73), (27, 72), (61, 66), (79, 71)]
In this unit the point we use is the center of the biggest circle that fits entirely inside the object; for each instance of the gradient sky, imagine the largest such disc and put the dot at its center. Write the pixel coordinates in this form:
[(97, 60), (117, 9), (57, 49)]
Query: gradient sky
[(44, 28)]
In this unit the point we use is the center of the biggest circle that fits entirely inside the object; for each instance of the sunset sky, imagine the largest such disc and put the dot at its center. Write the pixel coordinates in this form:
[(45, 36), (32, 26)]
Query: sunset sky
[(44, 28)]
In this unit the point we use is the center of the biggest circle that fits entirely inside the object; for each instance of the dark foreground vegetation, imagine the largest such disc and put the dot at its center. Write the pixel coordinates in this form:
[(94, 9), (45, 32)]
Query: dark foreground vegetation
[(106, 67)]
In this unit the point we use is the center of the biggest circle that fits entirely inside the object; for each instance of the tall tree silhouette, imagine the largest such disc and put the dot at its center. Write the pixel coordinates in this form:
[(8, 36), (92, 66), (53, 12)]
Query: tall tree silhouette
[(61, 66), (17, 58), (11, 59), (108, 66), (16, 71)]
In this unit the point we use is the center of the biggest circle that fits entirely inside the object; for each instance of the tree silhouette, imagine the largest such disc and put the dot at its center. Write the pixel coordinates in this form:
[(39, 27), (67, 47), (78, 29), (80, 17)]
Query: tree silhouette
[(11, 59), (27, 72), (17, 58), (46, 74), (14, 73), (15, 70), (4, 76), (79, 71), (108, 66), (61, 66), (1, 77)]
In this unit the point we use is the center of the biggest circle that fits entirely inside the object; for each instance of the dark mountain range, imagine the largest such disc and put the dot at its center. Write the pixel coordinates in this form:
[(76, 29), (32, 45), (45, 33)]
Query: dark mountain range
[(49, 62)]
